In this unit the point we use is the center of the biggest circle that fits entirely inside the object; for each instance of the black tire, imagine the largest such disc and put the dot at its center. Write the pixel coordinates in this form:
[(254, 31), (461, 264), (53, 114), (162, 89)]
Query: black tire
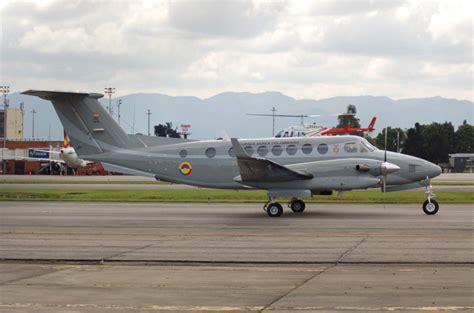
[(430, 208), (274, 209), (298, 206)]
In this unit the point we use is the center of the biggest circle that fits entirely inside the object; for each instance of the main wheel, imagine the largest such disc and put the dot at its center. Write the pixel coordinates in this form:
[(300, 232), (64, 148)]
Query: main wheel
[(298, 206), (430, 207), (274, 209)]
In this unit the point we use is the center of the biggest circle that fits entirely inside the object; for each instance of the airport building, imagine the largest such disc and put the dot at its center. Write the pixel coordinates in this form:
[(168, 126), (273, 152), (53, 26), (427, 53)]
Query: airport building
[(35, 157), (11, 123), (462, 162)]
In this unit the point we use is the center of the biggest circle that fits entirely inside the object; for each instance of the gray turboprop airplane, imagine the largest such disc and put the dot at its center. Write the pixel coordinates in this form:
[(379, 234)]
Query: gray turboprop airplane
[(285, 167)]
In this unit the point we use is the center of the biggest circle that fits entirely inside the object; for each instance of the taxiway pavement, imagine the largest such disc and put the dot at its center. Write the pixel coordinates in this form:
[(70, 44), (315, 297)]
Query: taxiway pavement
[(167, 257)]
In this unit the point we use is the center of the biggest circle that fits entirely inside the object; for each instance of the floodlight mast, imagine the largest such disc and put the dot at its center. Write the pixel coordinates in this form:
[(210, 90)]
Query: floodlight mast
[(149, 113), (109, 91), (5, 90)]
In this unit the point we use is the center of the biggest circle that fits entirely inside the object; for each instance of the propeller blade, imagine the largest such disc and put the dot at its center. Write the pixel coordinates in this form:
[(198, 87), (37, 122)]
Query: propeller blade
[(385, 153)]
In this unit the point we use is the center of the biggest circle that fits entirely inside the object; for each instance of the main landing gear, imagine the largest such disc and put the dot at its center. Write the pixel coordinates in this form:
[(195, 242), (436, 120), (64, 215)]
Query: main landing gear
[(430, 206), (275, 209)]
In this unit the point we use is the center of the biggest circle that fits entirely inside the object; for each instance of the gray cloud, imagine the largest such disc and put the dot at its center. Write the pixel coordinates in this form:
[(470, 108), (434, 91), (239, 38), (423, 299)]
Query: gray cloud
[(306, 50), (222, 18)]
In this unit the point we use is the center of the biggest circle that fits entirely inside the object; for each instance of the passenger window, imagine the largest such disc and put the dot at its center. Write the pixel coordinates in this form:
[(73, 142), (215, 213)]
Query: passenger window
[(279, 134), (291, 150), (307, 148), (249, 150), (350, 147), (412, 168), (231, 152), (285, 134), (210, 152), (262, 151), (323, 148), (277, 150), (183, 153)]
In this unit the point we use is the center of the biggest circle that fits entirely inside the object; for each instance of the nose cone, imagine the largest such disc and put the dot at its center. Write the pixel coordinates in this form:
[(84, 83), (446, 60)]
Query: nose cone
[(433, 170)]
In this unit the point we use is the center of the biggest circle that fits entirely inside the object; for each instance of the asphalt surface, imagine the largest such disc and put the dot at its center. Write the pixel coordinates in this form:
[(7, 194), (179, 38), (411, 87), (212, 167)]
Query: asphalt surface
[(134, 257), (451, 177), (120, 182)]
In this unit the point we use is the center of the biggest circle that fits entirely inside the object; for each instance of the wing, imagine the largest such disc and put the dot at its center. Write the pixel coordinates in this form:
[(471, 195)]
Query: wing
[(41, 160), (262, 170)]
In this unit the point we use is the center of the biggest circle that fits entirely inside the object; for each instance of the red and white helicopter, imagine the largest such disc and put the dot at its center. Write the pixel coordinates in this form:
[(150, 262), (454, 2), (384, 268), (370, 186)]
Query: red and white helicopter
[(314, 130)]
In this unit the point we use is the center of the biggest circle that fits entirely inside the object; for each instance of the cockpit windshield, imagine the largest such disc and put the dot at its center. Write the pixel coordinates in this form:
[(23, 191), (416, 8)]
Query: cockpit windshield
[(365, 145)]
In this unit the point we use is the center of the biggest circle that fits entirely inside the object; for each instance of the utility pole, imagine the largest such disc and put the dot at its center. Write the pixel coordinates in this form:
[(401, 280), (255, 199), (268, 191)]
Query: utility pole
[(109, 91), (22, 109), (273, 113), (33, 112), (398, 141), (149, 113), (119, 103), (5, 90)]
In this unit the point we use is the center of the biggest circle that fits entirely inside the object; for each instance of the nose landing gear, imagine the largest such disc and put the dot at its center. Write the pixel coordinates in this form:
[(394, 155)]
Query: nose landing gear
[(430, 206)]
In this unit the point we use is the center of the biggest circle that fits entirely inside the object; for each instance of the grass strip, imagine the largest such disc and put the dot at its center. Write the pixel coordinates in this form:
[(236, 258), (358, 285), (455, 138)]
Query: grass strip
[(217, 195)]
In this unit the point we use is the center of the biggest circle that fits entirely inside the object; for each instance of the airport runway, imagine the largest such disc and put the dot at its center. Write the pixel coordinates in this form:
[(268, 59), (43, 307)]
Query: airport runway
[(111, 186), (452, 178), (130, 257)]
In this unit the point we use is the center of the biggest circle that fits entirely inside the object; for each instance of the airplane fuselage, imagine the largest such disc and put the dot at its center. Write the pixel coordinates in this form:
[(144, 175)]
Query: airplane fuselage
[(331, 160)]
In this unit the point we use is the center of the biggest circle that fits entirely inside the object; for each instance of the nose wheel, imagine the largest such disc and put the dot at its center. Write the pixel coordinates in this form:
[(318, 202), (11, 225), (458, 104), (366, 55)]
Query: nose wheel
[(430, 206)]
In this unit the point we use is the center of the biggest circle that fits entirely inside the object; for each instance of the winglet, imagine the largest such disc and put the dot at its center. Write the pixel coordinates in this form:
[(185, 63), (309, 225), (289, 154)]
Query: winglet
[(239, 151)]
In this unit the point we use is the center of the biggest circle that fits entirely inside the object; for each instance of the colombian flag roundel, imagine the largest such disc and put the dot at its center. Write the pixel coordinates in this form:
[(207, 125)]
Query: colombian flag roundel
[(185, 168)]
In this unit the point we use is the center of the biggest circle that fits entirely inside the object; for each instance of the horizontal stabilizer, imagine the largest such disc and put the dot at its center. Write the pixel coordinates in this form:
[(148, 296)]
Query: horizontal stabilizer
[(50, 95), (262, 170)]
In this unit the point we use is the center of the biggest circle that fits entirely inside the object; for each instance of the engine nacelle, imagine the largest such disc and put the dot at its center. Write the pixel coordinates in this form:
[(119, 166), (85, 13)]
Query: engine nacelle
[(377, 168)]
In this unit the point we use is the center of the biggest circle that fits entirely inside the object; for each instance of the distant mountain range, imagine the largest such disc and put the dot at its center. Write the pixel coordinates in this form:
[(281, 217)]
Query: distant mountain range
[(226, 112)]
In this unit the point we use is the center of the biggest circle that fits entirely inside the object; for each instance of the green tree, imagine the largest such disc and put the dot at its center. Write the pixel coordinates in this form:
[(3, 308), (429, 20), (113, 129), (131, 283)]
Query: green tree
[(464, 138), (394, 136), (438, 142), (413, 144), (166, 130)]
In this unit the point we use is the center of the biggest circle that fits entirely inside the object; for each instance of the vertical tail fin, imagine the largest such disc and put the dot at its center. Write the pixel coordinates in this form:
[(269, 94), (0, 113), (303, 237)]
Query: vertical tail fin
[(372, 124), (91, 128), (66, 141)]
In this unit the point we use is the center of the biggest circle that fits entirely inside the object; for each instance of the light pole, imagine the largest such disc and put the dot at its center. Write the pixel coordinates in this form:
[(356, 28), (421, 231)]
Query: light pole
[(109, 91), (33, 112), (273, 113), (119, 103), (5, 90), (149, 113)]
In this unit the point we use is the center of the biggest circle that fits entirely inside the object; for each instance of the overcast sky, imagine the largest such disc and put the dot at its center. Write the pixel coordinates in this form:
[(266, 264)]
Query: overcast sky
[(304, 49)]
